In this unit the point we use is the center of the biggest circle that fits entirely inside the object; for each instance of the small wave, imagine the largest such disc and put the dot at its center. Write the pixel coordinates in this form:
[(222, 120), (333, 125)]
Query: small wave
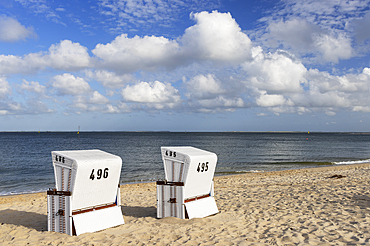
[(250, 171), (237, 172), (351, 162), (11, 193)]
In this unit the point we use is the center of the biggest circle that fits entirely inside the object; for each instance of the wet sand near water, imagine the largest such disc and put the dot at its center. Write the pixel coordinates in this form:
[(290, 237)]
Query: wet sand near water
[(316, 206)]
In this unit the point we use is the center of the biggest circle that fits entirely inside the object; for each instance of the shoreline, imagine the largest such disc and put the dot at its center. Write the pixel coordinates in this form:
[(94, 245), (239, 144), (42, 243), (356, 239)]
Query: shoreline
[(311, 206), (216, 176)]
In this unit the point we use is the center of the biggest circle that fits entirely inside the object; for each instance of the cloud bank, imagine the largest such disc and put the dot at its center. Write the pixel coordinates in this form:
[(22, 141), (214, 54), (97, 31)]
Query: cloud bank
[(213, 67)]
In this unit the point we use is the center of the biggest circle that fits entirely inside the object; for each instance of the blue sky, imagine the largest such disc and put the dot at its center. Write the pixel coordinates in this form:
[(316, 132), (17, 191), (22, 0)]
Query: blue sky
[(184, 65)]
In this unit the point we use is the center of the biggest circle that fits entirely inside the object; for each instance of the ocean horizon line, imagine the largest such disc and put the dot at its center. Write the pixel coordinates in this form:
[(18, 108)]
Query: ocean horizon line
[(166, 131)]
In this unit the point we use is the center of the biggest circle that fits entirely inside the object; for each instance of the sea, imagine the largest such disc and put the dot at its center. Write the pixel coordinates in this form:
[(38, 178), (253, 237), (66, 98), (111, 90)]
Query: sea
[(26, 162)]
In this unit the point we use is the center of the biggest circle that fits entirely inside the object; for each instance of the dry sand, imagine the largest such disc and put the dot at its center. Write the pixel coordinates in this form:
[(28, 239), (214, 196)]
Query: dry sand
[(318, 206)]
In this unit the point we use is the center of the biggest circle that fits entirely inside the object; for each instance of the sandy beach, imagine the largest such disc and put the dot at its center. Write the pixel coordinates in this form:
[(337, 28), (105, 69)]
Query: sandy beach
[(317, 206)]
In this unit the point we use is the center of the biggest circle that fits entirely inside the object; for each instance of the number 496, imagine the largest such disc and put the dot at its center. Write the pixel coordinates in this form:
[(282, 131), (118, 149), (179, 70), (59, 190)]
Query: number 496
[(99, 174)]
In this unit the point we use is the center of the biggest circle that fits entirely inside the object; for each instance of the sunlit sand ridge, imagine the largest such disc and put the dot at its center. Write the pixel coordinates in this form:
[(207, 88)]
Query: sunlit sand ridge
[(308, 206)]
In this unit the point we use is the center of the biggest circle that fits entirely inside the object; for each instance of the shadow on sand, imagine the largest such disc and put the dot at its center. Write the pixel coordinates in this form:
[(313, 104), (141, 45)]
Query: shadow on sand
[(363, 201), (33, 220), (139, 212), (39, 221)]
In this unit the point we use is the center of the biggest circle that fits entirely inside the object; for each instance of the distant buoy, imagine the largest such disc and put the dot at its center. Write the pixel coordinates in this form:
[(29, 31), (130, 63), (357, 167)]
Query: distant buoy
[(306, 138)]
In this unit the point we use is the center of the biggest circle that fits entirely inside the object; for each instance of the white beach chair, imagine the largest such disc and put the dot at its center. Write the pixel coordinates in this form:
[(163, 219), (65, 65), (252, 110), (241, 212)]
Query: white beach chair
[(86, 197), (187, 191)]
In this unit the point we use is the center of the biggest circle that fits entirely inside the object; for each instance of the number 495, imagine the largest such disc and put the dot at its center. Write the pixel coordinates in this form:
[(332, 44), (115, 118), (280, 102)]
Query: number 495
[(99, 173), (202, 167)]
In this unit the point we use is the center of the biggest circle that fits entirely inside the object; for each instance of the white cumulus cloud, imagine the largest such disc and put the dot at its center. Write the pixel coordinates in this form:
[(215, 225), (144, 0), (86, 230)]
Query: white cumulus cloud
[(297, 33), (67, 55), (11, 64), (204, 87), (332, 93), (307, 38), (11, 30), (222, 102), (366, 71), (151, 92), (5, 88), (98, 98), (67, 84), (275, 73), (333, 48), (33, 86), (266, 100), (131, 54), (347, 83), (109, 79), (216, 37)]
